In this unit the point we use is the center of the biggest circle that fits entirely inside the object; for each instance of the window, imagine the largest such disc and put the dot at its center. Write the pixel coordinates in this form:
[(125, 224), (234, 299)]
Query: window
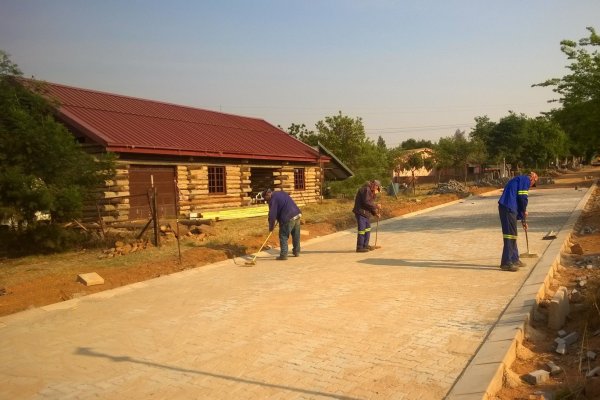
[(216, 179), (299, 179)]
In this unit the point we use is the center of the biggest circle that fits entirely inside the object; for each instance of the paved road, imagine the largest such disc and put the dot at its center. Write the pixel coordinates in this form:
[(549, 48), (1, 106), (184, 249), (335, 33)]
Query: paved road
[(401, 322)]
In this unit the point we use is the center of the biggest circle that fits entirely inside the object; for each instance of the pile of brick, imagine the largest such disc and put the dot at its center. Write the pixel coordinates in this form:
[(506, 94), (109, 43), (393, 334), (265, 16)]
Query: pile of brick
[(450, 187), (122, 248), (493, 182)]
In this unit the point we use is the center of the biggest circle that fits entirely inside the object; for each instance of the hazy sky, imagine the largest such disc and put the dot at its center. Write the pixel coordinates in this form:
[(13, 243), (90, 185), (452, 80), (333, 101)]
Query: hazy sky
[(413, 68)]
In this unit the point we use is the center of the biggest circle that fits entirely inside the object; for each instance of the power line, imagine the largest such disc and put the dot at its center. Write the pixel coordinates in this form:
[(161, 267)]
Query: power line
[(404, 129)]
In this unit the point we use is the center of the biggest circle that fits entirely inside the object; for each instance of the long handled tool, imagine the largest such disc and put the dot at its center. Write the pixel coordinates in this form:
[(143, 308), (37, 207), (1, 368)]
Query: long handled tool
[(528, 254), (253, 261), (376, 230)]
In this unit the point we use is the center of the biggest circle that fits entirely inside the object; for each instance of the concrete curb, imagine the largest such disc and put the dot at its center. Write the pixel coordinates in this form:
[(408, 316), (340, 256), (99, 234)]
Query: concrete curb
[(484, 375)]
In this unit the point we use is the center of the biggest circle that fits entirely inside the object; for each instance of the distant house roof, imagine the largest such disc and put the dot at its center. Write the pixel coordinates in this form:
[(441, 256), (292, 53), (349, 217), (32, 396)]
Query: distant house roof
[(131, 125), (336, 170)]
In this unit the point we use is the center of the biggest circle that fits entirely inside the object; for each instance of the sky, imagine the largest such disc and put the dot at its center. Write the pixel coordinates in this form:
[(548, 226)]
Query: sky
[(408, 69)]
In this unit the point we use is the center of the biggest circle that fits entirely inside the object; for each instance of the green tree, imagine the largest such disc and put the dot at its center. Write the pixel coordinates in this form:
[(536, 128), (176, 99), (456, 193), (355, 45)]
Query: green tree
[(302, 133), (410, 161), (579, 93), (416, 144), (483, 130), (42, 167), (518, 139), (507, 138), (544, 142), (455, 152), (381, 144), (346, 137)]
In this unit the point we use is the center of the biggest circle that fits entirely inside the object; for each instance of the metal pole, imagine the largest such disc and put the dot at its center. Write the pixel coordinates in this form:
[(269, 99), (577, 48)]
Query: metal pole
[(177, 217)]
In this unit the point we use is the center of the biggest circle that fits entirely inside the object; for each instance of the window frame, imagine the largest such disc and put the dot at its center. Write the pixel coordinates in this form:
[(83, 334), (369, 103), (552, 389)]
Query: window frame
[(300, 178), (217, 182)]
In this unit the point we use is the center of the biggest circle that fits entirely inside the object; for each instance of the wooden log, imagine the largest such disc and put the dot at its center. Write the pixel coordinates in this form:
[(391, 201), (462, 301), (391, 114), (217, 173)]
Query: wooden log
[(196, 222)]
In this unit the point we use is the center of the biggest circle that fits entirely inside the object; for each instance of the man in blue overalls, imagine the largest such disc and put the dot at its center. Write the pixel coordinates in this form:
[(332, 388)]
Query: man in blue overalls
[(512, 207), (284, 210), (364, 207)]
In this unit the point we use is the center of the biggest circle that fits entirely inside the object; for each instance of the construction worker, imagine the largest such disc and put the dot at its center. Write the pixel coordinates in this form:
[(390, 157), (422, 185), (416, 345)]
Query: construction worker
[(283, 209), (512, 207), (364, 207)]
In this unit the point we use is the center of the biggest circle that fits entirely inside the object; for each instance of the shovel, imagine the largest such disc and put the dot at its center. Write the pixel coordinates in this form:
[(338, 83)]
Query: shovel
[(528, 254)]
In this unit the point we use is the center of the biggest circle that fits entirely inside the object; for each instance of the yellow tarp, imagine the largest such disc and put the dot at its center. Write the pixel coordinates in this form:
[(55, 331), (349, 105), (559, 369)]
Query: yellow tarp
[(243, 212)]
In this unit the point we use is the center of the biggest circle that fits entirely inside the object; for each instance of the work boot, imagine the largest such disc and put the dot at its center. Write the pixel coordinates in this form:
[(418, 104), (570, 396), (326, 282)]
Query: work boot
[(509, 267), (281, 258), (362, 250), (296, 253), (520, 264)]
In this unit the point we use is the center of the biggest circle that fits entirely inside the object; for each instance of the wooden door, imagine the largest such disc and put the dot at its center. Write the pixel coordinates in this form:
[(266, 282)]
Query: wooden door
[(141, 178)]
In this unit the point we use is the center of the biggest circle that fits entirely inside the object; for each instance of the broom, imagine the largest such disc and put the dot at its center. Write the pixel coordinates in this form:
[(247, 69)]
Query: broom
[(528, 254)]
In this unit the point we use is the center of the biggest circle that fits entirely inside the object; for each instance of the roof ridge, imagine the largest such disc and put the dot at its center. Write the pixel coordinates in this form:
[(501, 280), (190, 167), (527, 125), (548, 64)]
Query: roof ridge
[(104, 93), (167, 117)]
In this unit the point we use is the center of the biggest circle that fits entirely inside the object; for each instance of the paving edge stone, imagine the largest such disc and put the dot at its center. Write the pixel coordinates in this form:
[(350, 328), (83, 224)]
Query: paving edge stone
[(483, 376)]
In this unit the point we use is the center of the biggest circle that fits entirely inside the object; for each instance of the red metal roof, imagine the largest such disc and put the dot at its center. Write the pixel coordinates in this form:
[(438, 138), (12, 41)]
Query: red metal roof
[(131, 125)]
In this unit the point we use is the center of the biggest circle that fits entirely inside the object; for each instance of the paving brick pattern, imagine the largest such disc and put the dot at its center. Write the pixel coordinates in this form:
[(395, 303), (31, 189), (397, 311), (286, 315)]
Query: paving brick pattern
[(401, 322)]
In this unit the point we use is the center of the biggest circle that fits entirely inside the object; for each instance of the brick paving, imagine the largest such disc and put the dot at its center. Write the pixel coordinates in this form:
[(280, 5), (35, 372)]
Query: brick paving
[(401, 322)]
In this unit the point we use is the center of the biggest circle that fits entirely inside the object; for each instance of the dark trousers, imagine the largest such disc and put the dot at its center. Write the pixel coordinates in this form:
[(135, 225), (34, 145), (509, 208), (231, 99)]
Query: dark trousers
[(508, 219), (291, 227), (364, 232)]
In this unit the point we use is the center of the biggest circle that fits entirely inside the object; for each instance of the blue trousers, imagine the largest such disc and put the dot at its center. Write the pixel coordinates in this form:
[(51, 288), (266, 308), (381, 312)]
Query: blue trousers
[(510, 252), (364, 232), (291, 227)]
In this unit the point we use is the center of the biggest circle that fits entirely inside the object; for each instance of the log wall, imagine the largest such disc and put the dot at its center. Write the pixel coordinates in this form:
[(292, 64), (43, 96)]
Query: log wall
[(112, 200)]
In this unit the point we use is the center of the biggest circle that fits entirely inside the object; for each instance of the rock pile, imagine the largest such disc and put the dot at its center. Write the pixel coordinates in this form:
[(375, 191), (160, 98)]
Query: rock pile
[(123, 248), (450, 187)]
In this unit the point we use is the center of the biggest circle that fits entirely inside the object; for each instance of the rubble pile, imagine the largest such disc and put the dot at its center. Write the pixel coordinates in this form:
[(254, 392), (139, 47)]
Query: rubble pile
[(450, 187), (123, 248), (494, 182)]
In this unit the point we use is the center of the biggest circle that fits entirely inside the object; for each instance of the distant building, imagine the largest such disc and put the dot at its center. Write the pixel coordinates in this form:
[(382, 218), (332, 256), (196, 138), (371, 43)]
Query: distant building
[(402, 175)]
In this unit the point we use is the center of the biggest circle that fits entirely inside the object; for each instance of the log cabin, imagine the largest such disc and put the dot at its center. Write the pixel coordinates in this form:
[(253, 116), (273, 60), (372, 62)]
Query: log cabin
[(198, 160)]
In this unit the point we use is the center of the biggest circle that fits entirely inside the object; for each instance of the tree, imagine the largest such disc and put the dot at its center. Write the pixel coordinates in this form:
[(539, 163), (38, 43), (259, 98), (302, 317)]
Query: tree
[(301, 132), (410, 161), (544, 142), (518, 139), (416, 144), (579, 94), (7, 67), (455, 152), (345, 136), (42, 167), (507, 138), (483, 130), (381, 144)]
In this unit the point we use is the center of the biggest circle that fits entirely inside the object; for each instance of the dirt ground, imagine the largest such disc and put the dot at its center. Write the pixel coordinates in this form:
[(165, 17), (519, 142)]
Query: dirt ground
[(40, 280)]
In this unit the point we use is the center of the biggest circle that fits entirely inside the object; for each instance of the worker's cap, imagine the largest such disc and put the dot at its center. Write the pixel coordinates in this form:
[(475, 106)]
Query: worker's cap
[(265, 192), (534, 178), (376, 184)]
